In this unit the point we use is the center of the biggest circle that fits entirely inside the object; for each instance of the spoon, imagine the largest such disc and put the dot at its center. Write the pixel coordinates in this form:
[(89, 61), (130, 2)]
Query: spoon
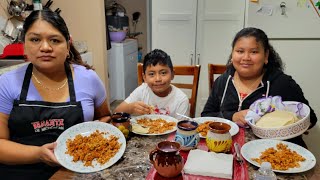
[(185, 116)]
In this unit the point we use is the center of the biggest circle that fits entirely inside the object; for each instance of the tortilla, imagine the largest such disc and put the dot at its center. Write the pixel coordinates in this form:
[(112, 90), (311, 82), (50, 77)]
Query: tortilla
[(139, 129), (277, 119)]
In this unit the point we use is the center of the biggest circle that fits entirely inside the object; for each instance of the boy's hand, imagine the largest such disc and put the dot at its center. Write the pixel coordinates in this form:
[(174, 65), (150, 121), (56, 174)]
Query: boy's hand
[(140, 108)]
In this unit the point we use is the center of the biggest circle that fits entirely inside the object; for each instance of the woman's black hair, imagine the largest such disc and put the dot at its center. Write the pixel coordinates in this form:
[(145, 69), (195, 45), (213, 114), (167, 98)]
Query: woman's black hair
[(274, 60), (157, 56), (56, 21)]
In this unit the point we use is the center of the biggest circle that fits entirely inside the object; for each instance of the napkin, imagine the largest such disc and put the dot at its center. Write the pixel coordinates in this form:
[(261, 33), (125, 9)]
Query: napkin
[(205, 163), (269, 104)]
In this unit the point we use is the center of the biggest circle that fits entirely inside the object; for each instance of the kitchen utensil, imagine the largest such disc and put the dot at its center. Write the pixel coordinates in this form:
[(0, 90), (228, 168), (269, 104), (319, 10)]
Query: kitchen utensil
[(16, 7), (185, 116), (239, 158), (238, 155), (13, 29), (135, 20)]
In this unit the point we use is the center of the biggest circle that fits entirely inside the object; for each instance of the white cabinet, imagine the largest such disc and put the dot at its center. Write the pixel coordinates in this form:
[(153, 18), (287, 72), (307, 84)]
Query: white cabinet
[(123, 59), (196, 32)]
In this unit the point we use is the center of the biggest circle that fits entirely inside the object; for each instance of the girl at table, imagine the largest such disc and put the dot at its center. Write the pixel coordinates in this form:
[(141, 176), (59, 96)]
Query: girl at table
[(40, 100), (254, 70)]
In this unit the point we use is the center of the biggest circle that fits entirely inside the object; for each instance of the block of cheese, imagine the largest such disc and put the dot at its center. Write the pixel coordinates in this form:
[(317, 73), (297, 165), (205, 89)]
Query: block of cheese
[(277, 119)]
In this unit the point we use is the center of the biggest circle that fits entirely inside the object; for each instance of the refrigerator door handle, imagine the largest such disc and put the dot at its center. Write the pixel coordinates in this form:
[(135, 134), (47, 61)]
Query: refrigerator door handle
[(191, 59), (198, 58)]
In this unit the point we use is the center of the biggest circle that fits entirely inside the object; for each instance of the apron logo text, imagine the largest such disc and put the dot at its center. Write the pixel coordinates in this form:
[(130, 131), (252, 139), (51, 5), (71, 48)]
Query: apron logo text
[(40, 126)]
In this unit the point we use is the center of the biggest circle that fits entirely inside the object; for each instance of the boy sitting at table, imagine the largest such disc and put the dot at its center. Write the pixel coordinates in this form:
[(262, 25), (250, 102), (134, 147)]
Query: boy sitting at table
[(156, 95)]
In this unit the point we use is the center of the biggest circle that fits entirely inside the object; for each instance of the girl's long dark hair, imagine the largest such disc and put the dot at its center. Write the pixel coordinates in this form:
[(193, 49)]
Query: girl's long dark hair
[(274, 60), (56, 21)]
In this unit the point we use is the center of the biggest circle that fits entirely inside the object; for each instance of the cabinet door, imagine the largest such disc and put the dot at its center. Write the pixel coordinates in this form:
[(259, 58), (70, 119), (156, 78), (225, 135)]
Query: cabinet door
[(174, 29), (217, 23)]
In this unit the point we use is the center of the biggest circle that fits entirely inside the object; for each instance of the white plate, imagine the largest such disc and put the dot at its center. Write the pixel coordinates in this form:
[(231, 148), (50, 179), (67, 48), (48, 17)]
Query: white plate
[(253, 149), (234, 127), (85, 129), (153, 117)]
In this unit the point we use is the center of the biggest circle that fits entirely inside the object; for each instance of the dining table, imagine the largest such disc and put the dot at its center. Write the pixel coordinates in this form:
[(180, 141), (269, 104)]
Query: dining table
[(135, 163)]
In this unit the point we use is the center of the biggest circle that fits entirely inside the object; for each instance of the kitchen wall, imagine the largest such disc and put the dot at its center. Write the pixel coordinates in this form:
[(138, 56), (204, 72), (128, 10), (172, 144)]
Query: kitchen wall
[(86, 22)]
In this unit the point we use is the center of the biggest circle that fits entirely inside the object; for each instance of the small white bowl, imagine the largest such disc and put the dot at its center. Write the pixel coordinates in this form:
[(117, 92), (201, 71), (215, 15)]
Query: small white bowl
[(285, 132)]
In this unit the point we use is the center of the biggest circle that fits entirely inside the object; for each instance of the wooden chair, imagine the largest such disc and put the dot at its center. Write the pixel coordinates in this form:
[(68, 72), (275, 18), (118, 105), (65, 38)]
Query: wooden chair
[(212, 70), (182, 71)]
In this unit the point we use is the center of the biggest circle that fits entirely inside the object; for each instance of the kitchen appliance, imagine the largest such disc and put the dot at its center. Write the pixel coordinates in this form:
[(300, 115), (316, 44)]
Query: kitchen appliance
[(122, 64), (116, 17)]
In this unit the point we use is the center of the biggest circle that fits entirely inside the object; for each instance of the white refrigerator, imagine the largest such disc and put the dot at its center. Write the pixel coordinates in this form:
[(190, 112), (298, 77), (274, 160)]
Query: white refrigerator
[(122, 66)]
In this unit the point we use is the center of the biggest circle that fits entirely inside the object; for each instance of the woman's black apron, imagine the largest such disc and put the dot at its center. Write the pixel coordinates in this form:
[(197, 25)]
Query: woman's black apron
[(37, 123)]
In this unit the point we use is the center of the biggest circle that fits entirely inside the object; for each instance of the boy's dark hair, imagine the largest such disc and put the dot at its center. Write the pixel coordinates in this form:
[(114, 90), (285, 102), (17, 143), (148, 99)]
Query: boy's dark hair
[(157, 56)]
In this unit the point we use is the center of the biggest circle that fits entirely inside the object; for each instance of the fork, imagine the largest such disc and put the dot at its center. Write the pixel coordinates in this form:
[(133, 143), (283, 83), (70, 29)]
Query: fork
[(239, 158), (238, 155)]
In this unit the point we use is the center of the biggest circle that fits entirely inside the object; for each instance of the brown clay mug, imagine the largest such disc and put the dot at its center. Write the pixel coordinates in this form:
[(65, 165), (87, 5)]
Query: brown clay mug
[(166, 159)]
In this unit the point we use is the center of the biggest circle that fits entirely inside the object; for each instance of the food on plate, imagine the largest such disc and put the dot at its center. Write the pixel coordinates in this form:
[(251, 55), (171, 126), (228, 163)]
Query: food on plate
[(152, 108), (93, 147), (277, 119), (281, 158), (156, 126), (139, 129), (203, 128)]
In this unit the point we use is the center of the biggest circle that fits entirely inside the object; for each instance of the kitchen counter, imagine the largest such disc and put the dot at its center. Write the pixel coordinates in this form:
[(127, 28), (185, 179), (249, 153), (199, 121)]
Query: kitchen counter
[(8, 66), (135, 163)]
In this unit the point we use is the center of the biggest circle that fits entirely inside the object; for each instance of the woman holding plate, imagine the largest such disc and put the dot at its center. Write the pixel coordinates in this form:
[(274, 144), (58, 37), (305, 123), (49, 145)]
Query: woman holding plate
[(254, 70), (40, 100)]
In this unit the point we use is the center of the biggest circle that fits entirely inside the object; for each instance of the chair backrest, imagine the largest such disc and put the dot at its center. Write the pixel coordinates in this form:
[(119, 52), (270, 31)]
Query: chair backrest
[(182, 71), (212, 70)]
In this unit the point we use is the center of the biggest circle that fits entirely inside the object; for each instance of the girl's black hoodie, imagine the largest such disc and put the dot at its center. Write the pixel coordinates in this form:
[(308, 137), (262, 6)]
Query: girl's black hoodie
[(224, 100)]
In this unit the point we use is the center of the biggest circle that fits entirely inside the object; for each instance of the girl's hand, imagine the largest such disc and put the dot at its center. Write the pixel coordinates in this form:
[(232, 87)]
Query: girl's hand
[(47, 156), (239, 118)]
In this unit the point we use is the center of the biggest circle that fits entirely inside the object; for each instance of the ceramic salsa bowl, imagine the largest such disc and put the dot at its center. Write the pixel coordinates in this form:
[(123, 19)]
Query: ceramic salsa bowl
[(285, 132)]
